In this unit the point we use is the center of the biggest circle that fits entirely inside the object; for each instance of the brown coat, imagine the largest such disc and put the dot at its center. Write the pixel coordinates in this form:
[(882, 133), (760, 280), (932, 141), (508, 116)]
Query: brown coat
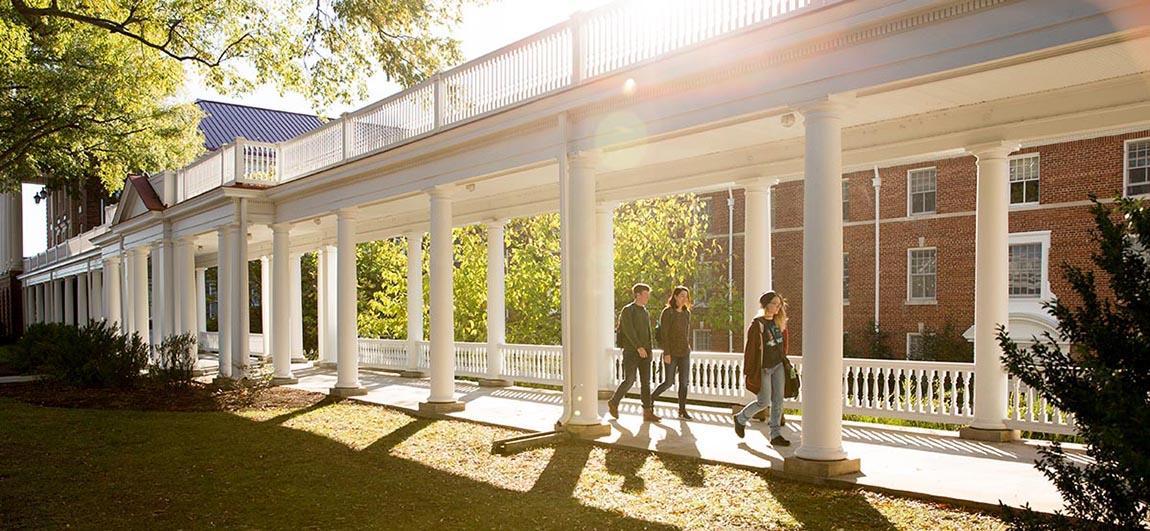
[(753, 355)]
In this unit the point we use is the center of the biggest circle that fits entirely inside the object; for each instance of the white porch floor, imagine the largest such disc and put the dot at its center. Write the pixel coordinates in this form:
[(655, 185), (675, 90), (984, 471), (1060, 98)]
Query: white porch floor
[(921, 463)]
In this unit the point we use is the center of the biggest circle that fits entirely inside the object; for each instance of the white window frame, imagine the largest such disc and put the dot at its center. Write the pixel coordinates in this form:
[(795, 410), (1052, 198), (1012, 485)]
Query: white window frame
[(846, 278), (695, 337), (1126, 166), (1010, 182), (846, 201), (909, 194), (926, 301), (1040, 237), (909, 335)]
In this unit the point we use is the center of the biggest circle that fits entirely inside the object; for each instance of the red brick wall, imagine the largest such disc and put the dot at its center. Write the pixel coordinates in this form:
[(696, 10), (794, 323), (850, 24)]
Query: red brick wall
[(1069, 172)]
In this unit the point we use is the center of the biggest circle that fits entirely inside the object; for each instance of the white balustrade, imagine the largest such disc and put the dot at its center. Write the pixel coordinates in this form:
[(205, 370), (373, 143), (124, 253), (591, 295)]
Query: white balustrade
[(1030, 411), (201, 176), (383, 353), (398, 118), (315, 150), (541, 364), (209, 341), (258, 163)]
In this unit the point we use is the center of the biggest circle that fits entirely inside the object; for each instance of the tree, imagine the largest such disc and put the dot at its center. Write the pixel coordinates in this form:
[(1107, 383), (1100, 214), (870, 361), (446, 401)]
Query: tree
[(1104, 381), (658, 242), (83, 84), (382, 275), (533, 280)]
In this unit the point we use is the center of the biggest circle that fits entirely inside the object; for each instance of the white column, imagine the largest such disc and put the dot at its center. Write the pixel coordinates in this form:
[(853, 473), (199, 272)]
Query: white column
[(605, 258), (295, 312), (112, 291), (70, 300), (321, 305), (163, 291), (241, 321), (82, 314), (58, 302), (267, 301), (584, 350), (756, 246), (325, 299), (496, 301), (41, 315), (414, 301), (138, 279), (822, 285), (186, 285), (347, 342), (442, 304), (12, 237), (281, 346), (991, 298), (97, 298), (225, 298), (201, 299)]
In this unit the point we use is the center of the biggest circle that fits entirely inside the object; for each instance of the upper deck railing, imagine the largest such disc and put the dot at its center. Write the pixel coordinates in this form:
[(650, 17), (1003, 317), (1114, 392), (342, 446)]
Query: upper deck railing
[(585, 47)]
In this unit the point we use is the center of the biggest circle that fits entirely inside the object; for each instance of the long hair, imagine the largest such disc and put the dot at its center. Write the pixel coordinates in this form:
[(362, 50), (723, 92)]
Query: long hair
[(675, 293), (781, 316)]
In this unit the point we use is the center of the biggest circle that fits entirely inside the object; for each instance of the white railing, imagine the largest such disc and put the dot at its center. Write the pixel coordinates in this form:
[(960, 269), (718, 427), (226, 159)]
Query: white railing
[(587, 46), (210, 342), (383, 353), (471, 359), (912, 390), (242, 162), (1029, 411), (533, 363)]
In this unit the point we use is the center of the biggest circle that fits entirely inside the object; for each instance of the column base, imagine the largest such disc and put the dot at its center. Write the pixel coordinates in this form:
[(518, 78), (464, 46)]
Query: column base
[(588, 431), (327, 364), (290, 380), (411, 373), (820, 469), (495, 382), (979, 434), (298, 359), (440, 408), (345, 392), (223, 381)]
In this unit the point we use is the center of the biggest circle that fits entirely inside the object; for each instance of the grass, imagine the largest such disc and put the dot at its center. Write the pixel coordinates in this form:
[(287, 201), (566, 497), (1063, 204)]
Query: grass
[(341, 464)]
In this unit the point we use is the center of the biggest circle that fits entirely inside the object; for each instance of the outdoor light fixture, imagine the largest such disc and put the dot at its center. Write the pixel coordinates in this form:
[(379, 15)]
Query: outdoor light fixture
[(787, 120)]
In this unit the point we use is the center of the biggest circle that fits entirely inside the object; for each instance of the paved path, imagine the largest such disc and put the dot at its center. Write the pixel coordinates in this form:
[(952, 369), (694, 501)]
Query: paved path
[(918, 462)]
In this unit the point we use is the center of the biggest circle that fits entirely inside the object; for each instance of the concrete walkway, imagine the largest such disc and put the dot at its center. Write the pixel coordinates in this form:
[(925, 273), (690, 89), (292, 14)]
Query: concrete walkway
[(914, 462)]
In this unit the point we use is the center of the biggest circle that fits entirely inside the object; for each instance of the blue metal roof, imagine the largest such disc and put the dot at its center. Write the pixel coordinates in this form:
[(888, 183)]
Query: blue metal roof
[(226, 121)]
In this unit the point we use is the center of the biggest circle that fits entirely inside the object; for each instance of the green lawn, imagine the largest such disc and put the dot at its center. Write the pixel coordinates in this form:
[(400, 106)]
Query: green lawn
[(349, 465)]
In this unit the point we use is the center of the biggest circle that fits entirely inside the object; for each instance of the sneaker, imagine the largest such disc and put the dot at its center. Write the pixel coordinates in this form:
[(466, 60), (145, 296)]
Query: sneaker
[(740, 428), (613, 409), (650, 416), (780, 441)]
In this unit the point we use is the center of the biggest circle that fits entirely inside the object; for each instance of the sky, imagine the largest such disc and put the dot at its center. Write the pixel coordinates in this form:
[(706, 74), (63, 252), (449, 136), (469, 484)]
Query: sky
[(484, 29)]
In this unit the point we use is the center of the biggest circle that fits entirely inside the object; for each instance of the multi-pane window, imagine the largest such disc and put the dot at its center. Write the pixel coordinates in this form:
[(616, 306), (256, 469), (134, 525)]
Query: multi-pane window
[(846, 200), (1138, 167), (923, 188), (846, 277), (922, 273), (701, 340), (1024, 180), (914, 346), (1025, 270)]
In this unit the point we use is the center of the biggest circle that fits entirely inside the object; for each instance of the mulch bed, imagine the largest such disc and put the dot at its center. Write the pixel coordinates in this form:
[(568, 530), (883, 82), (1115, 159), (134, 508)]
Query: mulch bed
[(149, 397)]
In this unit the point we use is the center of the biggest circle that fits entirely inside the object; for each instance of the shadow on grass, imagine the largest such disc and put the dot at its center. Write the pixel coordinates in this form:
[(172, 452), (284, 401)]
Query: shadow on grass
[(688, 470), (133, 469)]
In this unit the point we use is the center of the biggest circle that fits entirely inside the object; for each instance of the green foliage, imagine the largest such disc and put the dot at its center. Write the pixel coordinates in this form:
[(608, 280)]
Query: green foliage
[(29, 355), (175, 361), (95, 355), (533, 280), (308, 296), (470, 283), (877, 342), (382, 269), (77, 103), (658, 242), (1104, 382), (947, 344)]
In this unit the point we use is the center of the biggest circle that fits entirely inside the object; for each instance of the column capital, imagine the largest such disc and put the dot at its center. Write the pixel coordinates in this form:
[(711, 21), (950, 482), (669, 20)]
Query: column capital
[(495, 223), (280, 228), (443, 191), (606, 207), (831, 105), (347, 213), (587, 159), (186, 240), (997, 149), (758, 184), (111, 259)]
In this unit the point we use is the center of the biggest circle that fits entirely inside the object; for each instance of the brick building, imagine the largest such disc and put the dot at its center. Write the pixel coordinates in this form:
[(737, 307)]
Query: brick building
[(931, 233)]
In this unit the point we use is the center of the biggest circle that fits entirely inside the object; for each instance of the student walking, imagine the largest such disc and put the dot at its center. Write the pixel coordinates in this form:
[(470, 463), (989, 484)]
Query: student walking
[(675, 338), (633, 334), (764, 358)]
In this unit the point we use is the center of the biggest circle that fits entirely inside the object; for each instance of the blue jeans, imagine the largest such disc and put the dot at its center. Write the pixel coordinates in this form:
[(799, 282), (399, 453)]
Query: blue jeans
[(771, 389), (681, 365)]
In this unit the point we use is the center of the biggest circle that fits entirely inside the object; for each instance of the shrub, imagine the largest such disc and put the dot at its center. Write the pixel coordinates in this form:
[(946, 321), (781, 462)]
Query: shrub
[(30, 354), (95, 355), (947, 344), (877, 342), (175, 360), (1105, 382)]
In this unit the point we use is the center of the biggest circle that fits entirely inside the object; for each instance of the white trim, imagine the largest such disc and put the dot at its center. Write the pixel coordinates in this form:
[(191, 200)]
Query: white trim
[(1033, 304), (1126, 166), (921, 301), (911, 214), (1011, 159), (906, 353)]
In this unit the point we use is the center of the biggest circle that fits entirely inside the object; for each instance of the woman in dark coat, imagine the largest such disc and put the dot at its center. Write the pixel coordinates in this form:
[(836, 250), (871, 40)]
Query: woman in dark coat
[(764, 360), (675, 338)]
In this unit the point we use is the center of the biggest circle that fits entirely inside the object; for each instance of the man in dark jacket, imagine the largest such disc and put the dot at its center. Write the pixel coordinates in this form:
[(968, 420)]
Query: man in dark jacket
[(634, 336)]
